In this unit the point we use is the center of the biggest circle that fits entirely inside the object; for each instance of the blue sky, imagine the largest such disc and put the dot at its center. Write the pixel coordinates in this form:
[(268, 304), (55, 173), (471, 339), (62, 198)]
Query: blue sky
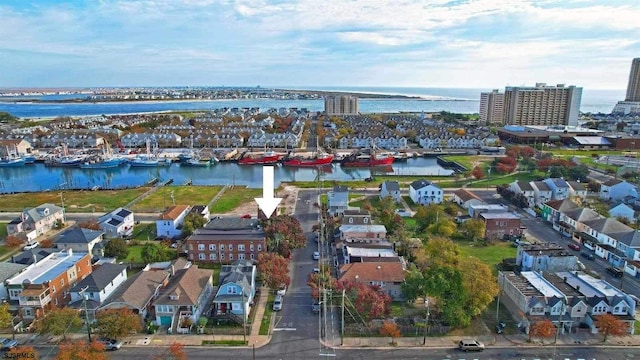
[(422, 43)]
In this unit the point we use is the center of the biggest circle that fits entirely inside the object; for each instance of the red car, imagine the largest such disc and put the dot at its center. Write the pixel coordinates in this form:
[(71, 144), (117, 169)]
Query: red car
[(574, 246)]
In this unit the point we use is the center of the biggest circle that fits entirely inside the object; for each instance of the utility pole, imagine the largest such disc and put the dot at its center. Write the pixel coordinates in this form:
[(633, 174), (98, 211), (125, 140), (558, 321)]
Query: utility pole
[(86, 313), (342, 321), (244, 319), (426, 321)]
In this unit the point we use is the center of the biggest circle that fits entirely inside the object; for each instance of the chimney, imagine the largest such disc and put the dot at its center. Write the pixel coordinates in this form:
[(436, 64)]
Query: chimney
[(173, 270), (35, 258)]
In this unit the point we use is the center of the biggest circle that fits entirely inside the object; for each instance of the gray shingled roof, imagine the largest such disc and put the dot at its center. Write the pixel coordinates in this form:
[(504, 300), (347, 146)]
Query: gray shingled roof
[(232, 223), (583, 214), (7, 270), (576, 186), (77, 235), (37, 213), (612, 182), (608, 226), (138, 290), (26, 257), (562, 205), (392, 185), (524, 186), (187, 285), (541, 186), (99, 278), (419, 184)]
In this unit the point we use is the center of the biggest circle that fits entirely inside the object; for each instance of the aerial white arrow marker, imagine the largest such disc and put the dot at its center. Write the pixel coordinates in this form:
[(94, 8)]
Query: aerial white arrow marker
[(267, 203)]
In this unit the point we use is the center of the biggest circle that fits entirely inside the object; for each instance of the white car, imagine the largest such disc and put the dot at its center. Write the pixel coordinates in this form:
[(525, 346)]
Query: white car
[(282, 290), (316, 255), (31, 245)]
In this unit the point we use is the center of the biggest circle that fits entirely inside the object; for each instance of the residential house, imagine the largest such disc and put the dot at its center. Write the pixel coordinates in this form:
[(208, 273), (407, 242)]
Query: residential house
[(169, 224), (476, 210), (389, 276), (31, 256), (577, 190), (363, 233), (43, 285), (616, 189), (606, 232), (80, 240), (390, 188), (362, 252), (97, 287), (37, 221), (356, 217), (225, 240), (545, 257), (497, 225), (465, 198), (138, 292), (572, 221), (118, 223), (542, 192), (552, 210), (560, 189), (19, 147), (182, 302), (236, 291), (425, 192), (338, 200), (524, 188), (622, 210), (7, 271)]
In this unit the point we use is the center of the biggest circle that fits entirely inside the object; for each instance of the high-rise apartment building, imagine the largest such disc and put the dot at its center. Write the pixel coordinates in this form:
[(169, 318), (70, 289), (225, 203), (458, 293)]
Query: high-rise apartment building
[(340, 105), (542, 105), (633, 88), (491, 107)]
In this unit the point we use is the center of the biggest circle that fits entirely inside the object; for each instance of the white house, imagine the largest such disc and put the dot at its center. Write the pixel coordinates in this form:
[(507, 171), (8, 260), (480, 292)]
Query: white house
[(542, 192), (615, 189), (338, 200), (37, 221), (559, 188), (117, 223), (577, 189), (425, 192), (622, 210), (465, 198), (170, 223), (97, 286), (390, 188), (524, 188)]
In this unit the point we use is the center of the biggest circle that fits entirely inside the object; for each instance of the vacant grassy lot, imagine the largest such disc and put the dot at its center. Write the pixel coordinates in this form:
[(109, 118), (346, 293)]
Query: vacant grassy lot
[(144, 232), (183, 195), (135, 254), (469, 161), (3, 230), (234, 197), (493, 181), (74, 201), (491, 254)]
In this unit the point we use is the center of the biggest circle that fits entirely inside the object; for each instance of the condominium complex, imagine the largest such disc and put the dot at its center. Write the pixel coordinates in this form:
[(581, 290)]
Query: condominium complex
[(631, 105), (340, 105), (633, 88), (491, 107)]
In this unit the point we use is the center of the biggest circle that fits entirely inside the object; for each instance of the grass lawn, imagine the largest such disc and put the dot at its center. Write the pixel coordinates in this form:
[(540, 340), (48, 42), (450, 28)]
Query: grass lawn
[(268, 312), (225, 342), (135, 254), (184, 195), (413, 206), (74, 201), (373, 200), (490, 254), (411, 224), (212, 266), (3, 230), (234, 197), (144, 232), (492, 182), (324, 199), (5, 250), (469, 161)]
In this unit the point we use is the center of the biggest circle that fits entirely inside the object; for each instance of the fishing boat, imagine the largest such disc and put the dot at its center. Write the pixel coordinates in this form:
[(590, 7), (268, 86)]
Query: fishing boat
[(107, 160), (12, 162), (373, 159), (29, 159), (195, 162), (269, 157), (147, 160), (320, 159)]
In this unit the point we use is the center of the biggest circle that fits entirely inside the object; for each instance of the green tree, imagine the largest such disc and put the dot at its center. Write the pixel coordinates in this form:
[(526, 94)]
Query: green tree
[(192, 222), (578, 173), (5, 316), (443, 227), (414, 285), (152, 252), (480, 284), (445, 283), (385, 214), (427, 215), (58, 322), (116, 248), (473, 229), (117, 323)]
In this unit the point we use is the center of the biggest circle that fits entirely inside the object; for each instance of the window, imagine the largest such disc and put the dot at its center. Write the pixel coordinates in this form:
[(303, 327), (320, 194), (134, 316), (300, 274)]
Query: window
[(230, 256), (241, 247), (201, 256), (230, 247), (53, 290), (232, 290), (259, 247), (365, 220), (61, 282), (251, 247), (55, 301), (252, 256), (350, 220), (221, 247), (212, 256), (221, 256), (200, 247), (240, 256), (212, 247)]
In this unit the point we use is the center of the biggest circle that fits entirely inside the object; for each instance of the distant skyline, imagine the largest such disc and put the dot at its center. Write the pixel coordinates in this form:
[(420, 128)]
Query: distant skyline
[(271, 43)]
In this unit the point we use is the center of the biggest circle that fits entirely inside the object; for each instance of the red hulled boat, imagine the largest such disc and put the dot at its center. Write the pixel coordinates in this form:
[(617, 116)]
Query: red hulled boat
[(363, 160), (268, 157), (320, 159)]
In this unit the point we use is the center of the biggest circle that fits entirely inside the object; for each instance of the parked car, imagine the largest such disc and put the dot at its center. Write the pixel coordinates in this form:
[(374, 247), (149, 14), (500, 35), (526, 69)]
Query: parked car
[(110, 344), (31, 245), (470, 345), (615, 271), (315, 307), (282, 290), (588, 256), (500, 327), (316, 255), (8, 343), (277, 303), (574, 246)]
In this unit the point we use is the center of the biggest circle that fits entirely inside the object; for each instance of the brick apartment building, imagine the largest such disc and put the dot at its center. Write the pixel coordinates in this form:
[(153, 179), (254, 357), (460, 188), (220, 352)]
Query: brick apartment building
[(499, 224), (226, 240)]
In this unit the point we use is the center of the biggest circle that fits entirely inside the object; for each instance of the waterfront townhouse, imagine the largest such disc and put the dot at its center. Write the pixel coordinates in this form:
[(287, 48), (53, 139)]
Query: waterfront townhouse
[(183, 300), (545, 257), (80, 240), (169, 224), (616, 189), (524, 188), (390, 188), (236, 291), (77, 138), (499, 224), (117, 223), (542, 192), (465, 198), (560, 189), (338, 200), (569, 299), (37, 221), (43, 285), (225, 240), (387, 275), (94, 289), (424, 192)]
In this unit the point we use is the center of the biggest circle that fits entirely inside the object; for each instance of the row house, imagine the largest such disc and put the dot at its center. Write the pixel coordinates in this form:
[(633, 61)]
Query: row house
[(356, 217), (162, 139), (545, 257), (85, 140), (616, 189), (499, 224), (44, 285), (540, 192), (366, 233), (424, 192), (559, 188), (286, 140), (31, 130), (569, 299), (36, 221), (117, 223), (225, 240), (525, 188), (18, 146), (363, 252), (475, 210), (388, 141), (622, 210)]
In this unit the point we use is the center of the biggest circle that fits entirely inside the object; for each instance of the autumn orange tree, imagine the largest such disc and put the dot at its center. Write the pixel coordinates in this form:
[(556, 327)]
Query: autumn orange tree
[(174, 352), (477, 172), (391, 330), (117, 323), (81, 350), (542, 329), (46, 243), (273, 270), (22, 352), (608, 324), (13, 241), (89, 224)]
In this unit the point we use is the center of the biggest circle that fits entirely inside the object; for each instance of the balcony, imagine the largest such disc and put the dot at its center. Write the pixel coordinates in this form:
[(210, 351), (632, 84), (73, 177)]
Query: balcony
[(35, 301)]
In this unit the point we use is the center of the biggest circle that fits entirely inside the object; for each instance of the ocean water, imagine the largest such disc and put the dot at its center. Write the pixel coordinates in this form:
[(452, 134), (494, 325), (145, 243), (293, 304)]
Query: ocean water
[(455, 100)]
